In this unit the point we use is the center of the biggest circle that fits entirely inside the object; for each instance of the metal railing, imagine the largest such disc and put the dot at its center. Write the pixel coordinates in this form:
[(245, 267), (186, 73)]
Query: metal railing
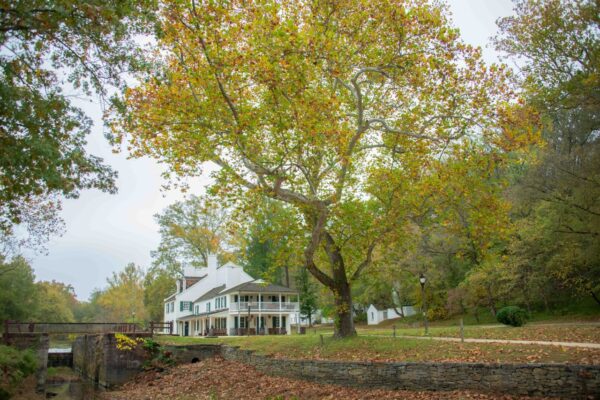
[(263, 306), (70, 327), (161, 327)]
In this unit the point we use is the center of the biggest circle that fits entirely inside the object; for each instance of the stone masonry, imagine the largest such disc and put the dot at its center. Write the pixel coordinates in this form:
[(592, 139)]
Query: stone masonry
[(97, 358), (553, 380)]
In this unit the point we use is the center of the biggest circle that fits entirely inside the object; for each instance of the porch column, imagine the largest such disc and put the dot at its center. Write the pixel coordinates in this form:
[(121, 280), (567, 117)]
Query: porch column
[(259, 314), (239, 313), (279, 314)]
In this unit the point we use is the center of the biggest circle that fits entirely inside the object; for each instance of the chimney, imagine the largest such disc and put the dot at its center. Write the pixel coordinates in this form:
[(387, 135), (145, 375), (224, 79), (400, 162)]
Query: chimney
[(212, 265), (178, 282), (233, 277)]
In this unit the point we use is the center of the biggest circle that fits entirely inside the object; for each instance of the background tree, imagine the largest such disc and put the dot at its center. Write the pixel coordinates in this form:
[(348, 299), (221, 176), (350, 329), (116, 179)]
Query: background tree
[(558, 199), (56, 302), (189, 231), (45, 46), (159, 283), (18, 298), (268, 237), (91, 310), (308, 295), (336, 109), (123, 300)]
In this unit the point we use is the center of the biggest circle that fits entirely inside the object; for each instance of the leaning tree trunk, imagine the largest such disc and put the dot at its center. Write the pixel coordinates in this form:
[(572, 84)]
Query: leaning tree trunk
[(342, 294), (338, 283), (344, 322)]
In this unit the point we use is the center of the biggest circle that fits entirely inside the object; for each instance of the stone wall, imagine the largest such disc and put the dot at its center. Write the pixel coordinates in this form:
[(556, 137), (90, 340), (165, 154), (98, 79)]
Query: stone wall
[(97, 358), (38, 342), (555, 380), (64, 359), (193, 353)]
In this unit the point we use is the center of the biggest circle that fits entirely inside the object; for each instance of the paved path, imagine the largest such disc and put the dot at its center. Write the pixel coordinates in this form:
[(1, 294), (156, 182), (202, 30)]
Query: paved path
[(473, 340)]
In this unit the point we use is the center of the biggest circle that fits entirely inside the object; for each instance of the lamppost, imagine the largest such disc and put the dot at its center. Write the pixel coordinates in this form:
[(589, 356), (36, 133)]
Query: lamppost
[(423, 280)]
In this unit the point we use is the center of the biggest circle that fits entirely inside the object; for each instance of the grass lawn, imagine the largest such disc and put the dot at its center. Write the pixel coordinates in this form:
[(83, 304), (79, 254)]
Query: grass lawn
[(363, 348), (534, 331)]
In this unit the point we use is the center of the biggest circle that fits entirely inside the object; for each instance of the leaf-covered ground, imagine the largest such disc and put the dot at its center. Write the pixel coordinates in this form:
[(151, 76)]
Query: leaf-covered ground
[(218, 379)]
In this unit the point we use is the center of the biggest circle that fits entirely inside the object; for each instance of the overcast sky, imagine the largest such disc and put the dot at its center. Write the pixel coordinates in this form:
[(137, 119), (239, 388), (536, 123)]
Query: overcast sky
[(105, 232)]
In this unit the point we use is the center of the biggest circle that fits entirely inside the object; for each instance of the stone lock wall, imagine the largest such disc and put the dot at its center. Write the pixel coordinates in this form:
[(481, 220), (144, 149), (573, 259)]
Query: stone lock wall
[(64, 359), (96, 357), (554, 380)]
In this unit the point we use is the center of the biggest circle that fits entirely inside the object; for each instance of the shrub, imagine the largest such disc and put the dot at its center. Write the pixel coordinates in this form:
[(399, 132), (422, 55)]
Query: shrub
[(15, 365), (360, 317), (512, 315), (437, 313)]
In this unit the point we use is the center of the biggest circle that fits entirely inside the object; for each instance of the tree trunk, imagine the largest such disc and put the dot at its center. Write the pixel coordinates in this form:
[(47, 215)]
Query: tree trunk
[(344, 323), (595, 297), (491, 302), (287, 276)]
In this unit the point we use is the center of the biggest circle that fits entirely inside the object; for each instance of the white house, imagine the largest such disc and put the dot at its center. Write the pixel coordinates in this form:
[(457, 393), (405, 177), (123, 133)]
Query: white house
[(224, 300), (375, 316)]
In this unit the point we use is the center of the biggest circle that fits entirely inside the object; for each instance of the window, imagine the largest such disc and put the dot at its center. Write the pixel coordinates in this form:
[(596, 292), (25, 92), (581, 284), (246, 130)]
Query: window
[(372, 315), (185, 306), (167, 308), (220, 302), (208, 307), (197, 310)]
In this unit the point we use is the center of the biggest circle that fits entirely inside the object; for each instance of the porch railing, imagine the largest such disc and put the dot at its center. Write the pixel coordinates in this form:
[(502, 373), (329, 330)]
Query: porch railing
[(252, 331), (263, 306)]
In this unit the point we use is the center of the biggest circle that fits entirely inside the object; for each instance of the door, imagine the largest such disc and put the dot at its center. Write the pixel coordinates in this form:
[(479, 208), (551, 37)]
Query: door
[(186, 329)]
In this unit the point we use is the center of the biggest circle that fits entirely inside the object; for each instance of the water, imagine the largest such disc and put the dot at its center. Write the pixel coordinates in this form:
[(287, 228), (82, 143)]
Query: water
[(59, 350), (74, 390)]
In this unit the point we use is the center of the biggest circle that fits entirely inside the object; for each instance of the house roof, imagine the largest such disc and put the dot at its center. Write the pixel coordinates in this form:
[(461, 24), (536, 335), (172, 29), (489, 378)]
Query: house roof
[(204, 314), (210, 294), (170, 297), (260, 287)]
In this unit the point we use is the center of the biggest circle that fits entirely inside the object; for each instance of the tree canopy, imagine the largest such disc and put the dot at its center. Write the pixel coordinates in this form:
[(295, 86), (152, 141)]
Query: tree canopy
[(48, 49), (347, 111)]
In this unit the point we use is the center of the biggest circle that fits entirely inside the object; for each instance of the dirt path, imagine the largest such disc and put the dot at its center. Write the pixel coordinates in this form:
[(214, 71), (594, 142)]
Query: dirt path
[(507, 341)]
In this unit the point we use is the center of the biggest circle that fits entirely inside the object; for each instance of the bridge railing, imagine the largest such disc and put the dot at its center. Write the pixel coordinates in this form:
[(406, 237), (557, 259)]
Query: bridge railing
[(70, 327), (161, 327)]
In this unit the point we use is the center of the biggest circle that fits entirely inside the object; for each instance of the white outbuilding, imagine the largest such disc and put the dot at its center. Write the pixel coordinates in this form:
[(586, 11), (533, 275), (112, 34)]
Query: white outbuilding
[(375, 316)]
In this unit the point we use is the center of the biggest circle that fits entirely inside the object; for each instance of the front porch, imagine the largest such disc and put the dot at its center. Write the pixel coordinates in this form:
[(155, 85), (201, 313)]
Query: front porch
[(229, 324)]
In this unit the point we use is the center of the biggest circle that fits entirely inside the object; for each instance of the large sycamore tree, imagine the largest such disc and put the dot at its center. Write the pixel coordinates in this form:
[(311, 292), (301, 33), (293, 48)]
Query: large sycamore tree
[(344, 110)]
